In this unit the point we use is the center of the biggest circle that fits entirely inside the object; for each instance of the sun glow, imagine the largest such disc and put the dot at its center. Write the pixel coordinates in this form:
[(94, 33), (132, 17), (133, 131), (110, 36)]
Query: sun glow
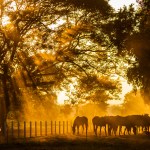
[(57, 24), (126, 88), (5, 20), (117, 4), (61, 97), (13, 6)]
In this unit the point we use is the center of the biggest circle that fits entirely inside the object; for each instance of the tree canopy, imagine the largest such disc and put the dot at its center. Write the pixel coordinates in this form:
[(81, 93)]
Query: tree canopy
[(49, 45), (131, 36)]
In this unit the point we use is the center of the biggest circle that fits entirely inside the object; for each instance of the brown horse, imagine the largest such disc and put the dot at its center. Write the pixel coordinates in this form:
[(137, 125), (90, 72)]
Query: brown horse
[(80, 121), (99, 122)]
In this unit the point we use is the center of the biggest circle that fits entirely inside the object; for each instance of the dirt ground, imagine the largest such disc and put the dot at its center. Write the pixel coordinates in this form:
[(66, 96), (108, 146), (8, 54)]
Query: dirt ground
[(138, 142)]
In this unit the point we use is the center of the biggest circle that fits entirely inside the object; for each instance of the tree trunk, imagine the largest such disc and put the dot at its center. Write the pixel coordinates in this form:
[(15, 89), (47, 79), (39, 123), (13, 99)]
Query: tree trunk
[(3, 116), (5, 101)]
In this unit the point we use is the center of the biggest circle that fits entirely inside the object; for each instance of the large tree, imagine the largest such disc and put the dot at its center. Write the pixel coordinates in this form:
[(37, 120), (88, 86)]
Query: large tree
[(139, 44), (47, 45), (22, 24), (130, 33), (40, 53)]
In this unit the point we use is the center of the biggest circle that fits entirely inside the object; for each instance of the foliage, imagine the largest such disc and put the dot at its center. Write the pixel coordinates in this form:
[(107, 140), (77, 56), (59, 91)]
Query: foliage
[(48, 46), (129, 31), (139, 43)]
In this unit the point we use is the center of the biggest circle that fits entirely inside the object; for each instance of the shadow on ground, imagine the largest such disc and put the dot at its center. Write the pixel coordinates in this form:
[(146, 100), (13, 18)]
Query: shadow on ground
[(139, 142)]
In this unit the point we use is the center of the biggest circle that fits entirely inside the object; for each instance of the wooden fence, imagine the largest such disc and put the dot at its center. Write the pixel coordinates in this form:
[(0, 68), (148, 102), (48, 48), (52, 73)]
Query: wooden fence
[(32, 129), (37, 128)]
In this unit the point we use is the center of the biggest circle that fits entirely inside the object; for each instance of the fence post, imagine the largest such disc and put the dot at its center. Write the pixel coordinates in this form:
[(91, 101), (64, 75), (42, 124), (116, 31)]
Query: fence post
[(67, 127), (24, 129), (45, 128), (6, 131), (40, 128), (59, 128), (71, 126), (18, 129), (63, 127), (55, 127), (30, 129), (51, 127), (35, 128), (12, 129)]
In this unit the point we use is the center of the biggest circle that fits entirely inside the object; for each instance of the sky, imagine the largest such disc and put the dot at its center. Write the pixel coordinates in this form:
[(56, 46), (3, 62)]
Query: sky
[(120, 3)]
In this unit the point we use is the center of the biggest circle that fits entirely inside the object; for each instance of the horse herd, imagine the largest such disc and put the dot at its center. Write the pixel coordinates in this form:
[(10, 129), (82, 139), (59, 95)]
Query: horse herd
[(112, 124)]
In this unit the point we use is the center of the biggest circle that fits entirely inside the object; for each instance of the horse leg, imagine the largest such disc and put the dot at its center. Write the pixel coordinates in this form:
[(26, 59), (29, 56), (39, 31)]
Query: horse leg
[(109, 130), (129, 130), (100, 130), (125, 130), (86, 127), (116, 128), (78, 130), (120, 129), (105, 131), (82, 128), (134, 130), (96, 130)]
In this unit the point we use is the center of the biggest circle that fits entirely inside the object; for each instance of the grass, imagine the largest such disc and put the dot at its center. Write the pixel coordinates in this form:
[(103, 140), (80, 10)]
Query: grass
[(138, 142)]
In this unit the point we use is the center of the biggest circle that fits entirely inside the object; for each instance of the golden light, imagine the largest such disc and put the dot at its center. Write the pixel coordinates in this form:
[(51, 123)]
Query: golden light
[(9, 29), (5, 20), (117, 4), (12, 6), (61, 97), (57, 24), (126, 88)]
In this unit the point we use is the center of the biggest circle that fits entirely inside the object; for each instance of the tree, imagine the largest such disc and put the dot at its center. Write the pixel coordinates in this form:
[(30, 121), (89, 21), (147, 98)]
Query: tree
[(139, 45), (129, 32), (19, 20), (46, 44)]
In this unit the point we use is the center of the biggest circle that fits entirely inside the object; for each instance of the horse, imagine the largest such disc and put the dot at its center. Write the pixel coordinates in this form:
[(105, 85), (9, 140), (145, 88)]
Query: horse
[(112, 122), (99, 121), (130, 123), (80, 121)]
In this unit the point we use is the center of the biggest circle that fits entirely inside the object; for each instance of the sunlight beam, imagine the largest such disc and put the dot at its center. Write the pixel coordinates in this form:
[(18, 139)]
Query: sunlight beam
[(126, 88)]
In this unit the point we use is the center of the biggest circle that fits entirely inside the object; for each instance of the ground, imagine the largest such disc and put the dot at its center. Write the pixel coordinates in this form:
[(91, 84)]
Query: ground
[(138, 142)]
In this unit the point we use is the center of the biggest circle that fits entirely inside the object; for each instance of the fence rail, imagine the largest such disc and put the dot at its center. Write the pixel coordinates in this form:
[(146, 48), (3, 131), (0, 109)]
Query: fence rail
[(33, 129), (37, 128)]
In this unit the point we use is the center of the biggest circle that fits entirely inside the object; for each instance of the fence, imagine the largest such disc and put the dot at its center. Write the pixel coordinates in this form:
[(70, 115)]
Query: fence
[(33, 129), (37, 129)]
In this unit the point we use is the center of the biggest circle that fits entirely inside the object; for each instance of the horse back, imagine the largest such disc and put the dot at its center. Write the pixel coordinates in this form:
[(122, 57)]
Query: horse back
[(81, 120), (95, 120)]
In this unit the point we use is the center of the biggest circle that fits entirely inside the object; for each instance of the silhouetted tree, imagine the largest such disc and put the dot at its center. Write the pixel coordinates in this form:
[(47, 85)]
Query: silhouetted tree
[(48, 45), (25, 32), (139, 44), (20, 22), (129, 31)]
